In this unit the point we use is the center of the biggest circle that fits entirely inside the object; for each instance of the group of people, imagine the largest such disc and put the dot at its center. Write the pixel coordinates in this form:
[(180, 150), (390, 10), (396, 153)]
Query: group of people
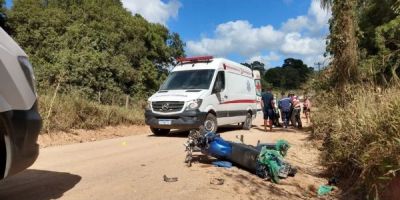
[(288, 108)]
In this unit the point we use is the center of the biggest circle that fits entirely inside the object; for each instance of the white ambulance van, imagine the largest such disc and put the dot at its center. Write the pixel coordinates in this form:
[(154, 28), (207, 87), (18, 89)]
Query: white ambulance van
[(203, 91), (20, 121)]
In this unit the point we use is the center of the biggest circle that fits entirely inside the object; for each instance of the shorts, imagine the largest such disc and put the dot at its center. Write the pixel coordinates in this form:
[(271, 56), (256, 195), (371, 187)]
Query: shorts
[(269, 114), (305, 109)]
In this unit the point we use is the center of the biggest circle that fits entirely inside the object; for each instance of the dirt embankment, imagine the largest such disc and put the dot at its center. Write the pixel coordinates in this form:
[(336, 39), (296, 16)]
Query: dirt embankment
[(82, 136)]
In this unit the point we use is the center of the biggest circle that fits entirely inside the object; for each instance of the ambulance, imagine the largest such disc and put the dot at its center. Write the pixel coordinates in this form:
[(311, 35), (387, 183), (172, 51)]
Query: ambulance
[(20, 121), (204, 91)]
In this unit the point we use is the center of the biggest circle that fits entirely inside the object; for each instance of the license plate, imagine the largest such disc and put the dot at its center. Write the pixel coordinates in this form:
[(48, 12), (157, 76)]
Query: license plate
[(164, 122)]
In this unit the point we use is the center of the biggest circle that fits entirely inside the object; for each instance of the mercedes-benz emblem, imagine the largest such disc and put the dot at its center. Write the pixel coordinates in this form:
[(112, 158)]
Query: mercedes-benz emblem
[(165, 106)]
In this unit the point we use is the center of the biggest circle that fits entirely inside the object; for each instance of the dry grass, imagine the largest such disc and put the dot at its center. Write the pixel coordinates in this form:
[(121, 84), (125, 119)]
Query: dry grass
[(361, 139), (75, 112)]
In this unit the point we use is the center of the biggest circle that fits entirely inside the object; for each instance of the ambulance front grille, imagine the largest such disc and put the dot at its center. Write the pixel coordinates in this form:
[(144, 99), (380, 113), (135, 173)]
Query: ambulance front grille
[(167, 106)]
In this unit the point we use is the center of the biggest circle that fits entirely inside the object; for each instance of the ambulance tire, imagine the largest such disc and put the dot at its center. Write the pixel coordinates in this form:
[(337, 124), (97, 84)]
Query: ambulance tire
[(159, 131), (246, 125), (210, 124)]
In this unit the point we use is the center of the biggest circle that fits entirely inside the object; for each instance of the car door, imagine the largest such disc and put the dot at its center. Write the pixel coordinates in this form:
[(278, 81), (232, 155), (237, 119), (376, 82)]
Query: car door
[(222, 95)]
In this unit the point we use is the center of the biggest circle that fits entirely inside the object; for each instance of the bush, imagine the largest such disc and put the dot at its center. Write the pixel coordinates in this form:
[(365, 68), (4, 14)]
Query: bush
[(71, 111), (363, 137)]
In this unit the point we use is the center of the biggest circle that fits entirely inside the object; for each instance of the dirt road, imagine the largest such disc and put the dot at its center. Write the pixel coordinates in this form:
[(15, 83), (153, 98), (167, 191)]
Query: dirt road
[(133, 168)]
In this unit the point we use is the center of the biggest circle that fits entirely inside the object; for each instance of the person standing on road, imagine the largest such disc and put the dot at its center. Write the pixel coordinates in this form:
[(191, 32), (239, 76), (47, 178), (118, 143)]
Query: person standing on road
[(291, 115), (307, 108), (296, 112), (267, 104), (276, 113), (285, 106)]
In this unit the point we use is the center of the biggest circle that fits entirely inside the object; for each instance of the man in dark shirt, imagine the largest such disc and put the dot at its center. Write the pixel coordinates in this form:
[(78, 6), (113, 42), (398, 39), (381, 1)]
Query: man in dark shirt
[(268, 108)]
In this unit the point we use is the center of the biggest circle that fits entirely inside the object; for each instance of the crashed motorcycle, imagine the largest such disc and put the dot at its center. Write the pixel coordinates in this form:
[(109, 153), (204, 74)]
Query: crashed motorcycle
[(264, 160)]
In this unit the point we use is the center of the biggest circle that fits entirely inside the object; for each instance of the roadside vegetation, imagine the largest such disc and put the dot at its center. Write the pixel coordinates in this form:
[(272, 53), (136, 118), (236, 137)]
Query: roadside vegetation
[(358, 116), (92, 59), (72, 111)]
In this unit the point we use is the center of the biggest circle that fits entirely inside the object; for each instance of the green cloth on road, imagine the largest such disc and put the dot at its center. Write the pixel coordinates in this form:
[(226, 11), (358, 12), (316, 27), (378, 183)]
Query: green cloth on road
[(282, 146), (324, 189), (273, 159)]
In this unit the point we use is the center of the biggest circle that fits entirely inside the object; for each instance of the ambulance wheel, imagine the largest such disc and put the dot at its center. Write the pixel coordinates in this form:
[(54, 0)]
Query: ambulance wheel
[(210, 124), (159, 131), (246, 125)]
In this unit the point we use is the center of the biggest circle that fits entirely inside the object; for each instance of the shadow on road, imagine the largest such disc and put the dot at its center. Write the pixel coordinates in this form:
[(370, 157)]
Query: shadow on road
[(174, 133), (185, 133), (37, 185)]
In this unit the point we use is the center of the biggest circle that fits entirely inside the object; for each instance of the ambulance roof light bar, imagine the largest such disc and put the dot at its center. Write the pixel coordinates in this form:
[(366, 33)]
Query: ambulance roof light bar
[(195, 59)]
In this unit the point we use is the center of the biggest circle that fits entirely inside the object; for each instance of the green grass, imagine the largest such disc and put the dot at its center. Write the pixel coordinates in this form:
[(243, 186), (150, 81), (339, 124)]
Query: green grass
[(361, 139), (75, 112)]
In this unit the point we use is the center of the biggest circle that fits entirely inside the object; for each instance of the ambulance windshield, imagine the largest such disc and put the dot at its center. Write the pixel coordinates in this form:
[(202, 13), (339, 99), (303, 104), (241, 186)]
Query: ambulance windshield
[(191, 79)]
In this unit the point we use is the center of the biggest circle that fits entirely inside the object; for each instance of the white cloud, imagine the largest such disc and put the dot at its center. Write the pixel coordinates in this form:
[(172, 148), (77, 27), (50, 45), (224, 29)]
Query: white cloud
[(155, 11), (294, 43), (314, 22), (266, 59), (320, 15), (237, 36), (296, 24), (300, 37)]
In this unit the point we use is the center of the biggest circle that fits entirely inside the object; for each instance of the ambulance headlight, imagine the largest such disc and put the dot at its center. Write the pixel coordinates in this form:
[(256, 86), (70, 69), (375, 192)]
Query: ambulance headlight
[(148, 105), (28, 72), (194, 104)]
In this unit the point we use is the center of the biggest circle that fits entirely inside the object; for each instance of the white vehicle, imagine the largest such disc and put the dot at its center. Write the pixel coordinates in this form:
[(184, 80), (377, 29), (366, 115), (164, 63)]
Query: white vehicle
[(20, 121), (203, 91), (257, 80)]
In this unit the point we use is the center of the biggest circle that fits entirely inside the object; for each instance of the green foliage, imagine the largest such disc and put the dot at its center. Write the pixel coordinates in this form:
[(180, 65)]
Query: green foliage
[(2, 6), (2, 14), (361, 138), (380, 40), (291, 75), (361, 133), (95, 46)]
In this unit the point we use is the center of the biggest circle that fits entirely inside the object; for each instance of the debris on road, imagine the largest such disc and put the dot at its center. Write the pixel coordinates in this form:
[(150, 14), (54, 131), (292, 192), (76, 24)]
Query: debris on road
[(264, 160), (324, 190), (224, 164), (272, 158), (217, 181), (241, 139), (333, 181), (171, 179)]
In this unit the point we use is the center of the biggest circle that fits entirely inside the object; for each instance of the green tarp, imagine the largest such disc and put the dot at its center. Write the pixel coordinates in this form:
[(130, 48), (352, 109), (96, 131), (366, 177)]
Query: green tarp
[(273, 158)]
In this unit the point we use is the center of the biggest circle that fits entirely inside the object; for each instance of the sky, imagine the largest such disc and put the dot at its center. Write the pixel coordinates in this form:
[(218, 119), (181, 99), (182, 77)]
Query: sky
[(242, 30)]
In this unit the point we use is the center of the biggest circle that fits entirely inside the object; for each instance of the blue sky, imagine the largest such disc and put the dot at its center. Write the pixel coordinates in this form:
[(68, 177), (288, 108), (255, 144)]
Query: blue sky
[(242, 30)]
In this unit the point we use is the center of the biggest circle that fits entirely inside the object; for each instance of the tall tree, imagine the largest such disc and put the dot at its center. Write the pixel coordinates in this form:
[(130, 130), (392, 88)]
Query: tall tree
[(291, 75), (379, 23), (343, 41), (95, 46), (256, 65)]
